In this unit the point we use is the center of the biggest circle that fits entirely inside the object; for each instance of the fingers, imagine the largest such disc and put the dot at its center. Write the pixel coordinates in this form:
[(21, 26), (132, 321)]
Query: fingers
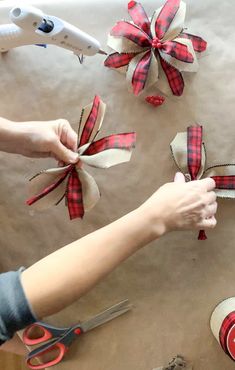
[(62, 153), (211, 197), (67, 135), (211, 210), (209, 223), (179, 177), (207, 184)]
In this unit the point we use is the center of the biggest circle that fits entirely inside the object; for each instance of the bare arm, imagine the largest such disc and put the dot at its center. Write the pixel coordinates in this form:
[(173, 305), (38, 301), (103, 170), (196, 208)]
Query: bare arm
[(83, 263)]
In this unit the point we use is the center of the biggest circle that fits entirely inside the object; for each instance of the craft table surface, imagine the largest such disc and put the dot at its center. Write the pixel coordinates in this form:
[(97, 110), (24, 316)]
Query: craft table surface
[(175, 282)]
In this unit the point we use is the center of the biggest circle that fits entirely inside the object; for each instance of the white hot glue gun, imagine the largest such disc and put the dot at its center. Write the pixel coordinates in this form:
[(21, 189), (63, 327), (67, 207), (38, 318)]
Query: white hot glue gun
[(31, 26)]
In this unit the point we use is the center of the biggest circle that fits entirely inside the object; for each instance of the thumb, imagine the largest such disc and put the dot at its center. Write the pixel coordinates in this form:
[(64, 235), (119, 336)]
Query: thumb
[(64, 154), (179, 177)]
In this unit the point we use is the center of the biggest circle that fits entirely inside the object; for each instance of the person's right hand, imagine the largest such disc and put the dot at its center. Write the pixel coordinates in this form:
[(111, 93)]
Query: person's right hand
[(182, 205)]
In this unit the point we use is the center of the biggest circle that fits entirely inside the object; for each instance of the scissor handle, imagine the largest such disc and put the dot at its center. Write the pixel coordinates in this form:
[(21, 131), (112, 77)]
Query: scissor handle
[(62, 350), (46, 335)]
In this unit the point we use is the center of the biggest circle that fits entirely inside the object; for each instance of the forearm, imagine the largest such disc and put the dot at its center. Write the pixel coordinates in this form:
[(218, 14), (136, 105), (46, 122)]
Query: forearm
[(8, 135), (61, 278)]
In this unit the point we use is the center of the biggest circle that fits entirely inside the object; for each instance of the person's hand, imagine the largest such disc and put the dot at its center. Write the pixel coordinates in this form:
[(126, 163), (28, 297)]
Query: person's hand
[(181, 206), (39, 139)]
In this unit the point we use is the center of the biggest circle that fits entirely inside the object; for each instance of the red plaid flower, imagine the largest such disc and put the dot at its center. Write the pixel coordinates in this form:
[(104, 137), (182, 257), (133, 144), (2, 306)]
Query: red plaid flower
[(89, 154), (150, 37)]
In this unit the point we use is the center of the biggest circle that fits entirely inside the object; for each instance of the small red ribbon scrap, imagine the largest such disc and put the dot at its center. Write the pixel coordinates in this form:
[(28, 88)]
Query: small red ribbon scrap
[(154, 50), (72, 182), (189, 155)]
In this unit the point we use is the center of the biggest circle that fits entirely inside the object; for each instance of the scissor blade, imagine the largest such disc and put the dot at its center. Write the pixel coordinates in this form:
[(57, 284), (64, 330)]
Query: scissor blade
[(107, 315)]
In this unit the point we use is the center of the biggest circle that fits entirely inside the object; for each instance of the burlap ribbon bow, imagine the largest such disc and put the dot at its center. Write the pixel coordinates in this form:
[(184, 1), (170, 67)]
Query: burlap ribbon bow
[(189, 154), (79, 188), (154, 51)]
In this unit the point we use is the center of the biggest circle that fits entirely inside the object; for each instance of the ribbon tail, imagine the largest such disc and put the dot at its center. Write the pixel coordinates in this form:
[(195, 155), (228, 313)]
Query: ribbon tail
[(139, 16), (117, 60), (47, 190), (141, 73), (90, 122), (74, 196), (198, 43), (177, 50), (174, 77), (202, 235), (165, 17)]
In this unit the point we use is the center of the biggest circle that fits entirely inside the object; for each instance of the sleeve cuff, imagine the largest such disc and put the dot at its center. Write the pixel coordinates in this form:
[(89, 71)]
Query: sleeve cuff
[(15, 310)]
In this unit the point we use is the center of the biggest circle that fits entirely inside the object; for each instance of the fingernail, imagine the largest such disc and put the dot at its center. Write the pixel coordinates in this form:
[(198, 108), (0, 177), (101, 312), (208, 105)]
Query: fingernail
[(74, 157), (177, 176)]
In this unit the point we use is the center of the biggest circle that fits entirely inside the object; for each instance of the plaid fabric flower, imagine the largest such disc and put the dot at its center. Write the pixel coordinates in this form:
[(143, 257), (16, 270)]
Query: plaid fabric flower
[(72, 182), (189, 154), (156, 49)]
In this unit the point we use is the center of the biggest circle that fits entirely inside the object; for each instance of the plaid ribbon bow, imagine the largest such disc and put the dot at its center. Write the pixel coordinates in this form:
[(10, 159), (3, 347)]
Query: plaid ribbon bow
[(155, 50), (189, 154), (79, 188)]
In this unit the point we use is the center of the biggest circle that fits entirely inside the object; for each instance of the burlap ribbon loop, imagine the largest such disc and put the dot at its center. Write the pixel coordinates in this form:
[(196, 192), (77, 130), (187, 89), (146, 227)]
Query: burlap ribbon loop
[(189, 154), (143, 47), (78, 187)]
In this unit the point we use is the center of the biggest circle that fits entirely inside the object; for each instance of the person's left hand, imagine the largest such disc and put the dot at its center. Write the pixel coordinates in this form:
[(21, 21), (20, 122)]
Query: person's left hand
[(38, 139)]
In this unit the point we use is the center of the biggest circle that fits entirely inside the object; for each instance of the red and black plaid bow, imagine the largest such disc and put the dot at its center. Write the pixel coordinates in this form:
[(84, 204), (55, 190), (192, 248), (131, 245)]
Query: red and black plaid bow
[(155, 40), (73, 182), (194, 160)]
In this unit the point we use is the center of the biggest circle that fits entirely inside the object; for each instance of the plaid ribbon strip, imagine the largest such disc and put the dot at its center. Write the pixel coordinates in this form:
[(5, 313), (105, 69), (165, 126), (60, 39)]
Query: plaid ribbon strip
[(177, 50), (90, 123), (174, 77), (194, 150), (199, 44), (225, 329), (118, 141), (194, 158), (132, 33), (124, 142), (165, 17), (224, 182), (74, 196), (141, 73), (49, 188), (139, 16), (140, 34), (117, 60)]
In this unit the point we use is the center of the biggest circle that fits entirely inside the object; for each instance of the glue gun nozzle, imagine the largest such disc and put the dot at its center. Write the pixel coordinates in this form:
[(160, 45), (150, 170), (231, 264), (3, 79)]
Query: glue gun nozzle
[(102, 52)]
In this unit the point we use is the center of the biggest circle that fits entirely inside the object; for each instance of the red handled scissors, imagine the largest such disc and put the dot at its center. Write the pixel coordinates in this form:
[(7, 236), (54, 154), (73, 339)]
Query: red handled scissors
[(56, 341)]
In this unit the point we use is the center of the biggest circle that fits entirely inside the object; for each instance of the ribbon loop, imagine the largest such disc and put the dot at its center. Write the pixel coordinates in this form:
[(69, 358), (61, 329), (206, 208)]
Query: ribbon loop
[(74, 183)]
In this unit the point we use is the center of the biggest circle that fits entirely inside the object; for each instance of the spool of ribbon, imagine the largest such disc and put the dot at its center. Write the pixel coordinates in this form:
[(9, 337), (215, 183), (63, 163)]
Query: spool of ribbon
[(72, 182), (189, 154), (154, 51), (222, 324)]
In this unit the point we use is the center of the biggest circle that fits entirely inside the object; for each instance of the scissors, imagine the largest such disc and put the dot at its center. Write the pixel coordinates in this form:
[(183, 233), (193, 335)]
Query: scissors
[(56, 341)]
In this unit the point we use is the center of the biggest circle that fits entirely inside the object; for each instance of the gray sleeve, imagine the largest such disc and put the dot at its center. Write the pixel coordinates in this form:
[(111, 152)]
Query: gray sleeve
[(15, 311)]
